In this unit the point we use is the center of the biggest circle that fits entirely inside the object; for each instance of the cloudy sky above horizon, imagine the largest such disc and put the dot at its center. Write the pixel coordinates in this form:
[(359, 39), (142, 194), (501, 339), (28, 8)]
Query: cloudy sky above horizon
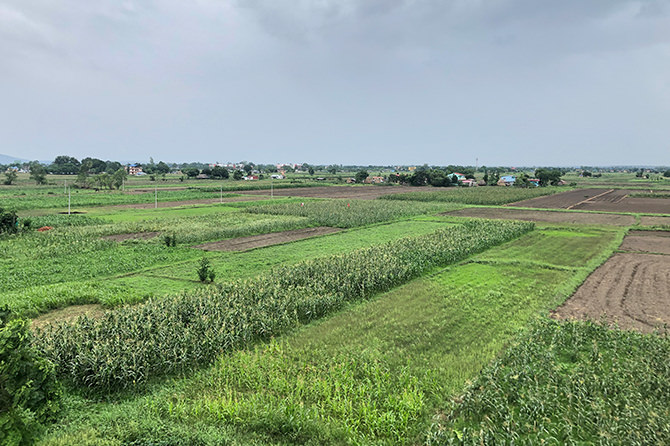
[(504, 82)]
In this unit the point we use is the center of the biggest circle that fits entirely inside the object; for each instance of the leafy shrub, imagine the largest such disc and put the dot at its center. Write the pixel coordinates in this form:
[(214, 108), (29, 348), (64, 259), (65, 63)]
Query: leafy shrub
[(170, 240), (28, 391), (8, 221), (205, 270)]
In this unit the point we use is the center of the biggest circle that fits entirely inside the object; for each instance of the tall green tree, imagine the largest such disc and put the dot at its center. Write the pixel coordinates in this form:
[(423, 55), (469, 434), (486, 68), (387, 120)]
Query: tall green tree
[(361, 175), (10, 176), (119, 177), (38, 173)]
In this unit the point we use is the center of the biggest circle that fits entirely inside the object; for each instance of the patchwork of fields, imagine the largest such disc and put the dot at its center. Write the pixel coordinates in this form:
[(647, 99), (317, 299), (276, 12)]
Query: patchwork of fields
[(335, 317)]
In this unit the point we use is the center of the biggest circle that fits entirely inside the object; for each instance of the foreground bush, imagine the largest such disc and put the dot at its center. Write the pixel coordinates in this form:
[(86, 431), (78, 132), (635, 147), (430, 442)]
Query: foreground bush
[(568, 383), (128, 346), (28, 391)]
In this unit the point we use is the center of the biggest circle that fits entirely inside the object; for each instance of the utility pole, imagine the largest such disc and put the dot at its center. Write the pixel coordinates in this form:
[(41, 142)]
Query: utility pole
[(68, 201), (272, 187), (65, 187), (222, 193), (155, 197)]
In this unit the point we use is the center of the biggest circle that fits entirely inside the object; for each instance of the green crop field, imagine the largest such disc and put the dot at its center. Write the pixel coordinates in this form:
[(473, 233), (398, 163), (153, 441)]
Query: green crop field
[(405, 327), (476, 195)]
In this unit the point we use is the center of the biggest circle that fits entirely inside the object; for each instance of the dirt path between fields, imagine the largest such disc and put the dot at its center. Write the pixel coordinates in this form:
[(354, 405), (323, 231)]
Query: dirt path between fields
[(631, 289), (260, 241)]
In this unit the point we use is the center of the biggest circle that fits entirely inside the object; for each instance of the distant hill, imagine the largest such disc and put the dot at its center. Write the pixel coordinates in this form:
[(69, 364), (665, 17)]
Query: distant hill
[(6, 159)]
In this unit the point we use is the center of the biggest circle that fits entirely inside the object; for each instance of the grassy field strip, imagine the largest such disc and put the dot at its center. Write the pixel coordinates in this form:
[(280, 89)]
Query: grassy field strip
[(235, 265), (376, 373), (152, 281)]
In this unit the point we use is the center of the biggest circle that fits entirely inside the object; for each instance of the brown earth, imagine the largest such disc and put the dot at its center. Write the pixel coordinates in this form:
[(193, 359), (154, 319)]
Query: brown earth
[(654, 221), (352, 192), (546, 216), (67, 314), (260, 241), (657, 242), (603, 200), (133, 235), (630, 289)]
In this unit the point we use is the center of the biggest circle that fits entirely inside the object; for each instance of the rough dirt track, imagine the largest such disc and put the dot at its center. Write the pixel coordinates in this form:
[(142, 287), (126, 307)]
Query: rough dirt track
[(260, 241), (631, 289), (603, 200), (131, 236), (546, 216), (352, 192)]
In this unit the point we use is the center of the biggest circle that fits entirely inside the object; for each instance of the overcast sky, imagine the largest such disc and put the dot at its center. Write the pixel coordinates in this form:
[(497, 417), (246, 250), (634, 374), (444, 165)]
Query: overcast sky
[(510, 82)]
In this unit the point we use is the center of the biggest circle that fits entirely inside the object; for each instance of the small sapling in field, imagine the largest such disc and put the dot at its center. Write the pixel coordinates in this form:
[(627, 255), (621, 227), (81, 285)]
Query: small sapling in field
[(170, 240), (205, 271)]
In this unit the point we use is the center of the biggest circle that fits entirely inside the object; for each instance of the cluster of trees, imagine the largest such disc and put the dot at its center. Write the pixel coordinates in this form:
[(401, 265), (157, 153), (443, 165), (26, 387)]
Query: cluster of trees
[(433, 176)]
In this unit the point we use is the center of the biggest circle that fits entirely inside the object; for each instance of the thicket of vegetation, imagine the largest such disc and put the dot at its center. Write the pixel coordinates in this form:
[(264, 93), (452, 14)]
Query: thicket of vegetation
[(474, 195), (128, 346), (348, 213), (567, 383), (29, 394)]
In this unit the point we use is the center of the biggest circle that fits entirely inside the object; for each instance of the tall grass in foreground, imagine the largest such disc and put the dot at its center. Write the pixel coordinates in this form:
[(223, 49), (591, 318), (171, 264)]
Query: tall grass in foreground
[(349, 213), (128, 346), (475, 195), (567, 383)]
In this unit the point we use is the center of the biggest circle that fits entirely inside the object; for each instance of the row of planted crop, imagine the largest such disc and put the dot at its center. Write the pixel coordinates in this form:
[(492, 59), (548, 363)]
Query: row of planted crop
[(350, 213), (130, 345), (486, 195)]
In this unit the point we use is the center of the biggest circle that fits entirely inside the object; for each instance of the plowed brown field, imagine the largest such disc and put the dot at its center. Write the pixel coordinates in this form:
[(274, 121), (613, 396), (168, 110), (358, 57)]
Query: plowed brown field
[(603, 200), (631, 289)]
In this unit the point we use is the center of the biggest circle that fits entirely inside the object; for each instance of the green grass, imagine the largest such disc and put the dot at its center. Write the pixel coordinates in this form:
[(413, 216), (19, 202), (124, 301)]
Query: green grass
[(376, 373), (567, 383)]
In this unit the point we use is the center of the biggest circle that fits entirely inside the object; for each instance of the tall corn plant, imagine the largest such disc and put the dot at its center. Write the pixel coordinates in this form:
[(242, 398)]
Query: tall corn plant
[(171, 335)]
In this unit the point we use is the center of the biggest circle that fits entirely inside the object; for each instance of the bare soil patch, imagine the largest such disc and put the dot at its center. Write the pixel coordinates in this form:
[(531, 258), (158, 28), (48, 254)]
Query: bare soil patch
[(259, 241), (352, 192), (647, 241), (130, 236), (630, 289), (67, 314), (654, 221), (604, 200), (546, 216), (560, 201)]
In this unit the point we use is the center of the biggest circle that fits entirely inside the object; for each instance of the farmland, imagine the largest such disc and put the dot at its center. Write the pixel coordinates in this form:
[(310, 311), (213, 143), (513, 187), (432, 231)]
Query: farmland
[(350, 320)]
